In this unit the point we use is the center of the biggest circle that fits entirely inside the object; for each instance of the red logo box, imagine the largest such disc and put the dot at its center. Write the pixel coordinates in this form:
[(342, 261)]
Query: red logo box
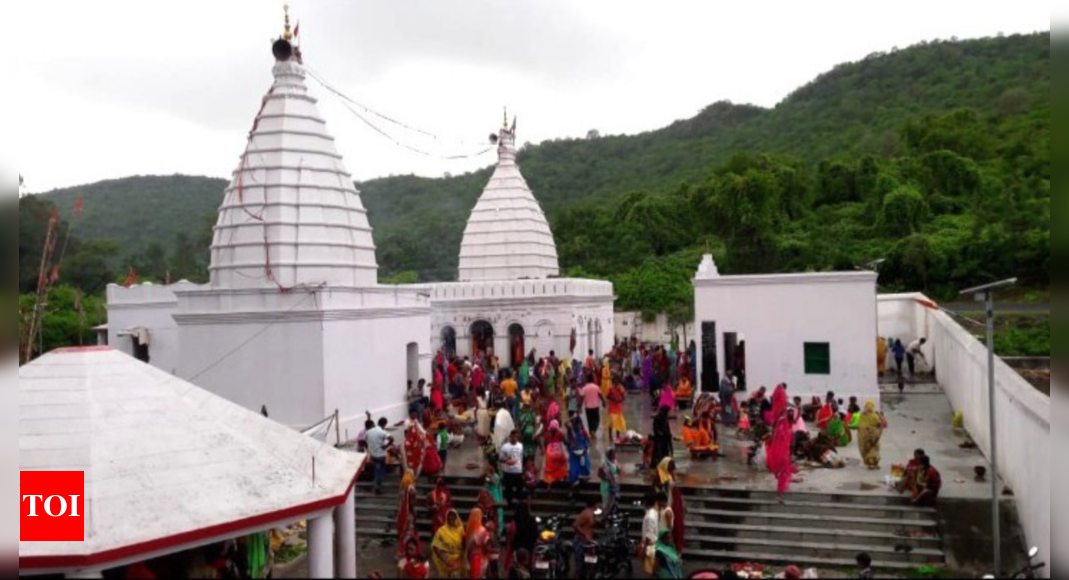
[(53, 506)]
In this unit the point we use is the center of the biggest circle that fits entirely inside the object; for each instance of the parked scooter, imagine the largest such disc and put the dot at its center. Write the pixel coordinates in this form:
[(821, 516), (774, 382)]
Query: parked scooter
[(551, 556), (615, 558)]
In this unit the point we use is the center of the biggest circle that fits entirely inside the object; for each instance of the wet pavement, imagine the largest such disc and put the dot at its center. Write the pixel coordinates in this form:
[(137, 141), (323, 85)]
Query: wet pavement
[(922, 418)]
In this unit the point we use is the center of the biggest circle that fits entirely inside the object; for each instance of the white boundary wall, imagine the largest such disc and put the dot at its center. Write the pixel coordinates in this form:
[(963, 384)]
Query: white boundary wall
[(1023, 414)]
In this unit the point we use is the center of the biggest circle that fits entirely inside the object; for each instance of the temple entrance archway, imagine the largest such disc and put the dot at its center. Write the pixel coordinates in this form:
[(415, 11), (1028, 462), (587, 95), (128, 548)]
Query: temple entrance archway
[(412, 355), (517, 350), (482, 339), (597, 339), (449, 341)]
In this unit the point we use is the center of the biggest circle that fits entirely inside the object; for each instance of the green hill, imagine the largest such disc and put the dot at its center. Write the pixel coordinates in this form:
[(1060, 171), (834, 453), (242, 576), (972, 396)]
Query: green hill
[(913, 156)]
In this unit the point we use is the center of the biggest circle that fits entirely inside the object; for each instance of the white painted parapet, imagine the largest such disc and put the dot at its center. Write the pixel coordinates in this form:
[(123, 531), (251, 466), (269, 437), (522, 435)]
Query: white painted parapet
[(1023, 420)]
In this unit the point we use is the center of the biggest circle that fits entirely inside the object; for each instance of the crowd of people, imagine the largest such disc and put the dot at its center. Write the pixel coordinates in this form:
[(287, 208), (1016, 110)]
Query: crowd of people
[(538, 423)]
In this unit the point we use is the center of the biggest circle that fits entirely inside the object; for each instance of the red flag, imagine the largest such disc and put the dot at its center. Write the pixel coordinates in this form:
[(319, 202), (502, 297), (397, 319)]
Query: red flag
[(79, 207), (55, 275), (131, 278), (297, 30)]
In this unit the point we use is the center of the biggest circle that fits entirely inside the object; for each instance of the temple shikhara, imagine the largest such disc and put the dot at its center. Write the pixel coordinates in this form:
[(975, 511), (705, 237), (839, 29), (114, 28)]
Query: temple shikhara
[(509, 299), (293, 319)]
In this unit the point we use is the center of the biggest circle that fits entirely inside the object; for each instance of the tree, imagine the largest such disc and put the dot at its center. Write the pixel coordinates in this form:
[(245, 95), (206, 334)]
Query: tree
[(904, 212), (87, 268), (186, 263), (745, 210)]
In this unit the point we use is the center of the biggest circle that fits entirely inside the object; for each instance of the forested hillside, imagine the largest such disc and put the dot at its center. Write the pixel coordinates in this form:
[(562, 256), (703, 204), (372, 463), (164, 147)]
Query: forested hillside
[(935, 158)]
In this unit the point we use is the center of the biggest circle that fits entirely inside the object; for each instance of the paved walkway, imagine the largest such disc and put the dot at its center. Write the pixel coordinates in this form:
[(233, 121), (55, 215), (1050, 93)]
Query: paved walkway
[(922, 418)]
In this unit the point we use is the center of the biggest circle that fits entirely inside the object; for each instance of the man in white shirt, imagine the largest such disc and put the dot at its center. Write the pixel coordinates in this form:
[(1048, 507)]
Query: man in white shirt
[(914, 352), (511, 458), (377, 442), (651, 527)]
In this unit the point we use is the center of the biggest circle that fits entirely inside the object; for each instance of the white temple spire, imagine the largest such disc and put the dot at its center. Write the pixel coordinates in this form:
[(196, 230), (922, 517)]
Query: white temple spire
[(291, 217), (507, 236)]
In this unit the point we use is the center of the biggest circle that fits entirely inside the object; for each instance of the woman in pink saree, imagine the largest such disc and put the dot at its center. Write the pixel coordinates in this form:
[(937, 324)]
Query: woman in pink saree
[(779, 449)]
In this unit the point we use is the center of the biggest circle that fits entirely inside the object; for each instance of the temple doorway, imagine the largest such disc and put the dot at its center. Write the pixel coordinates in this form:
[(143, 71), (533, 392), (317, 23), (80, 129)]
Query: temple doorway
[(413, 362), (517, 350), (482, 339), (449, 342)]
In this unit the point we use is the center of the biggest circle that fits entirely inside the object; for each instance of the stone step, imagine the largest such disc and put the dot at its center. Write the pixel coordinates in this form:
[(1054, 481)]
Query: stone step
[(735, 507), (861, 524), (830, 549), (828, 559), (461, 486)]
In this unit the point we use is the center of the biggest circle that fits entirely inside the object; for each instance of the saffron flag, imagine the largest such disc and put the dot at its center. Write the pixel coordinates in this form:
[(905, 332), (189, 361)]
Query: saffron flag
[(131, 278), (79, 207), (928, 304)]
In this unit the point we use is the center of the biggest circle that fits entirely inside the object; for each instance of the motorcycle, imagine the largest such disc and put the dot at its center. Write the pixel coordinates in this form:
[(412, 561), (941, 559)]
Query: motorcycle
[(615, 558), (551, 556), (1029, 571), (592, 553)]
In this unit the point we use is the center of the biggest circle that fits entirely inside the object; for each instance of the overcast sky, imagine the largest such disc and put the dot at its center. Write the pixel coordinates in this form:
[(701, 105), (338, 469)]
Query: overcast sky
[(113, 88)]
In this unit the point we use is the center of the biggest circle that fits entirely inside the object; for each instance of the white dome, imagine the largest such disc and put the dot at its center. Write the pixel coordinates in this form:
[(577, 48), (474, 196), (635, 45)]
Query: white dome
[(292, 217), (507, 237)]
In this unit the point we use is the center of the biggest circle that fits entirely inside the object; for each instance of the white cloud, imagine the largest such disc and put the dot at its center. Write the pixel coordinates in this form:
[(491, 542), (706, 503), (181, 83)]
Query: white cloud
[(112, 88)]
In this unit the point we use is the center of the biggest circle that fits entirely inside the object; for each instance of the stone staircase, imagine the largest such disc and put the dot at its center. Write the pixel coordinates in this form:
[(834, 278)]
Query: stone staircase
[(729, 526)]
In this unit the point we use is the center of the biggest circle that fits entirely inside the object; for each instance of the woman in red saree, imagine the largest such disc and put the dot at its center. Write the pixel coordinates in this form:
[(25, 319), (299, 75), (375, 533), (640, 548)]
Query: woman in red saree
[(415, 448), (477, 542), (406, 513), (779, 449), (556, 468), (441, 501), (432, 462)]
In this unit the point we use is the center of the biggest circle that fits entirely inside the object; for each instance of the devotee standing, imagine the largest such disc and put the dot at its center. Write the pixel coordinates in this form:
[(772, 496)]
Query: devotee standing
[(511, 457), (448, 548), (579, 453), (592, 403), (617, 423), (377, 442), (610, 481), (869, 432), (779, 459), (662, 437)]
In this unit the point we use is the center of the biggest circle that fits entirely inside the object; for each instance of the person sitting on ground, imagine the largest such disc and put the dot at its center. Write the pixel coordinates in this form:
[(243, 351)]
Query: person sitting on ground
[(827, 412), (912, 475), (838, 432), (707, 424), (685, 392), (697, 441), (822, 451), (929, 484), (810, 411), (853, 413)]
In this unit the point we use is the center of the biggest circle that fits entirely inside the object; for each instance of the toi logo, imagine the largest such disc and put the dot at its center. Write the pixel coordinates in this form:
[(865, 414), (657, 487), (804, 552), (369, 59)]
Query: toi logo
[(53, 506)]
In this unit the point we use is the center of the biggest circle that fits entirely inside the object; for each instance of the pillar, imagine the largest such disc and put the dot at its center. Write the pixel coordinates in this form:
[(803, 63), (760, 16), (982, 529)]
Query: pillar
[(321, 547), (345, 539)]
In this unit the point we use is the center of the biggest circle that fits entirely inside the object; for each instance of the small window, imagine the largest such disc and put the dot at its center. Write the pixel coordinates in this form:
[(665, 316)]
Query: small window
[(817, 358)]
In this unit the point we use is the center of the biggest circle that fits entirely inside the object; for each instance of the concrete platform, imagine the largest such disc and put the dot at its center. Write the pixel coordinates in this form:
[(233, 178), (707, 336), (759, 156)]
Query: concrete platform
[(922, 418)]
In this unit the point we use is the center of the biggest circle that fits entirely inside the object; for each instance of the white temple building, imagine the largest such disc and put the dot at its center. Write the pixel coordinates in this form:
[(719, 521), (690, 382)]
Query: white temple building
[(815, 332), (509, 299), (293, 318)]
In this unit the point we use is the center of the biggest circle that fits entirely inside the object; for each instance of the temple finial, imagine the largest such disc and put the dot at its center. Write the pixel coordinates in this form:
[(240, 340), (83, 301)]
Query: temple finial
[(288, 34), (505, 121)]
